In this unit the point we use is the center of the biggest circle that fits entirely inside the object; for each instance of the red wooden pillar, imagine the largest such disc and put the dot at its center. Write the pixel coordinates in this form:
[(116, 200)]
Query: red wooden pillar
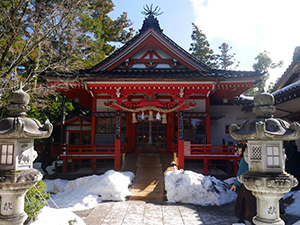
[(235, 167), (207, 122), (93, 127), (94, 165), (64, 165), (180, 140), (130, 132), (118, 135), (170, 131), (205, 165)]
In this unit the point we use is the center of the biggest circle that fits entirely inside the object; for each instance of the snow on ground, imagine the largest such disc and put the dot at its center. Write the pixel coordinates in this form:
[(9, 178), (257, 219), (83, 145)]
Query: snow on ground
[(87, 192), (190, 187), (50, 216), (82, 193), (181, 186)]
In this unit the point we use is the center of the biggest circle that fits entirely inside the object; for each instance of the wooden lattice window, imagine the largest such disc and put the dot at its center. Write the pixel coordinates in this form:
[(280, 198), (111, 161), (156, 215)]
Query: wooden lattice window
[(7, 153)]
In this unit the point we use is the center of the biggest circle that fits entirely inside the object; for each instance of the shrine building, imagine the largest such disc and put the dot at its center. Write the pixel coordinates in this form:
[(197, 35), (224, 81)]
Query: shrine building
[(151, 95)]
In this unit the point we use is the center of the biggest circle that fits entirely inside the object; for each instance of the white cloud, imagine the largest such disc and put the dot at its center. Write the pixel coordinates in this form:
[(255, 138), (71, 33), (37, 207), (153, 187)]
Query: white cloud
[(270, 25)]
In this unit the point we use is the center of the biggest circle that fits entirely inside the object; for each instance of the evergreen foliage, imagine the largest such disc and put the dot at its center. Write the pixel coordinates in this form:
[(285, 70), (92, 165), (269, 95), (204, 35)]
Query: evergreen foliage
[(58, 35), (200, 47), (263, 63), (225, 59), (35, 200)]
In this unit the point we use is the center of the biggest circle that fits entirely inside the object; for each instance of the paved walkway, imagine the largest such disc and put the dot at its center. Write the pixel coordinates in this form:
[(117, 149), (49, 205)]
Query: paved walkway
[(157, 213), (162, 213)]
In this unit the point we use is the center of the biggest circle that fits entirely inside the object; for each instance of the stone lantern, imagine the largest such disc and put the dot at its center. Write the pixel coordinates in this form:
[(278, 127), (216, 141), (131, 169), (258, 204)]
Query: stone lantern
[(265, 156), (17, 134)]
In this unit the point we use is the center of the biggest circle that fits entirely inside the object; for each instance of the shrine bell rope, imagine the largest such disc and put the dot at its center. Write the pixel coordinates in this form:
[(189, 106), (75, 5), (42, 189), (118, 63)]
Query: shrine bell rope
[(151, 109)]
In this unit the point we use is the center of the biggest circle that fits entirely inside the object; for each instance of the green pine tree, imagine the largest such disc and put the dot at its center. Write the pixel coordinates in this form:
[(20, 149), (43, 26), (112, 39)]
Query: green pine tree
[(225, 59), (263, 63), (200, 47)]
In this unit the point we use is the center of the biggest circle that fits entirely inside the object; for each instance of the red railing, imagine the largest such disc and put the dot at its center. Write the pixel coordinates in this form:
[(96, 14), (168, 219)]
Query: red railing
[(213, 149), (91, 152), (91, 149), (208, 152)]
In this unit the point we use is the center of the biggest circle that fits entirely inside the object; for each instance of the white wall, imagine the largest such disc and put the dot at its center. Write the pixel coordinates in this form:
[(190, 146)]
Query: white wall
[(226, 115)]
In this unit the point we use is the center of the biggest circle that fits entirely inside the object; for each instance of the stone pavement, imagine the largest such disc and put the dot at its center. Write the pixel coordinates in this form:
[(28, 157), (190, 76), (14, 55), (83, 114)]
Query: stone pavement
[(162, 213), (157, 213)]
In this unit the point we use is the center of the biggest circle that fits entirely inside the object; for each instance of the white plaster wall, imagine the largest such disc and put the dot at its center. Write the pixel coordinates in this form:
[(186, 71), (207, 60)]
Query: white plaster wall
[(100, 107), (200, 106), (226, 115)]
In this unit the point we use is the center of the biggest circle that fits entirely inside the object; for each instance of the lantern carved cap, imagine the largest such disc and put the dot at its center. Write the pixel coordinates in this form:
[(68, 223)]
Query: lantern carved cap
[(264, 105), (17, 125), (264, 126), (18, 103)]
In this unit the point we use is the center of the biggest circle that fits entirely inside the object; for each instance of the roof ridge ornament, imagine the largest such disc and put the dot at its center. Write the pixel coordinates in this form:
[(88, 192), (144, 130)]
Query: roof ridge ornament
[(150, 11), (151, 20)]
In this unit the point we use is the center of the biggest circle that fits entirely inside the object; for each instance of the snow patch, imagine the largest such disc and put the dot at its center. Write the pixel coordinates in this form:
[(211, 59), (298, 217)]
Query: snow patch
[(190, 187), (57, 216), (87, 192)]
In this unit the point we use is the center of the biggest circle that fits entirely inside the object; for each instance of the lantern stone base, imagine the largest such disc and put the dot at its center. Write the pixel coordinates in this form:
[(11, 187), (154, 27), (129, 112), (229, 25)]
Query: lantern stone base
[(268, 211), (268, 189), (13, 220), (13, 187)]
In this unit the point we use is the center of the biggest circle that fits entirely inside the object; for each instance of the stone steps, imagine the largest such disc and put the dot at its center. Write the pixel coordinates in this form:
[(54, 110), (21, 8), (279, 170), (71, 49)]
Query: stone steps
[(148, 184), (148, 169), (130, 163)]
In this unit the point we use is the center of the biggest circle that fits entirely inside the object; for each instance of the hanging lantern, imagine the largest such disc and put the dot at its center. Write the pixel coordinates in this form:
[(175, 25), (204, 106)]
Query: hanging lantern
[(134, 118), (150, 115), (158, 117), (143, 116), (164, 119)]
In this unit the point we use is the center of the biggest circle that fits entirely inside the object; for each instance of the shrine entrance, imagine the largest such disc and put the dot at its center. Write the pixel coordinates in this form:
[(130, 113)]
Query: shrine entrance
[(150, 135)]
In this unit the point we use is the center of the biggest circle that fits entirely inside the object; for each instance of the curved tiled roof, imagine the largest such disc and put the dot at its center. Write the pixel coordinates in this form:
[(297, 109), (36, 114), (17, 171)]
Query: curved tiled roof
[(287, 89), (150, 73), (284, 94), (280, 82), (152, 22), (154, 73), (168, 73)]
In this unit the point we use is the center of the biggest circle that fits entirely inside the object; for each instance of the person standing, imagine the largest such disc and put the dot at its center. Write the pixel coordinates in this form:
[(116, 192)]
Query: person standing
[(292, 164), (245, 204), (46, 156)]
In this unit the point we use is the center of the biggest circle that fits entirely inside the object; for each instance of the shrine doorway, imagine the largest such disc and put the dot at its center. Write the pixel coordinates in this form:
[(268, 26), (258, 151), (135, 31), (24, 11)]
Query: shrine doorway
[(151, 136)]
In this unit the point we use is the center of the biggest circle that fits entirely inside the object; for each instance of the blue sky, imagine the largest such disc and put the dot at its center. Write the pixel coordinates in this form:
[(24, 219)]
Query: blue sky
[(249, 26)]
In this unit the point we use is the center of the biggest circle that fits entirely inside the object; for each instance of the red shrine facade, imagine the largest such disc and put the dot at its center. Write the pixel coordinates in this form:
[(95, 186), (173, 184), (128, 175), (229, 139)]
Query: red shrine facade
[(149, 96)]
